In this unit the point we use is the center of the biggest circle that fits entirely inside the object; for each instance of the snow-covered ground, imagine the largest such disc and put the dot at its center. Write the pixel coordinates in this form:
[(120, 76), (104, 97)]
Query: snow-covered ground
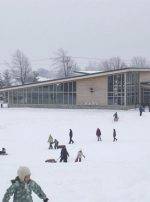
[(111, 172)]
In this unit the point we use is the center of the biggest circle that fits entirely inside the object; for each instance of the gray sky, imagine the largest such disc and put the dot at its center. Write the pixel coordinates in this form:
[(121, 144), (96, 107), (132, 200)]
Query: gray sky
[(91, 28)]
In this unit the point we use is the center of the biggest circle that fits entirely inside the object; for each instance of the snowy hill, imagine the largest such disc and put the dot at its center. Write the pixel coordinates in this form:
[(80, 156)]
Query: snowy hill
[(111, 172)]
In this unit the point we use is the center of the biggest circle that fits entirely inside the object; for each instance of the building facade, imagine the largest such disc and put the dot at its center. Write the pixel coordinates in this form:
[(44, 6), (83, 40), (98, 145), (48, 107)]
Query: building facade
[(122, 88)]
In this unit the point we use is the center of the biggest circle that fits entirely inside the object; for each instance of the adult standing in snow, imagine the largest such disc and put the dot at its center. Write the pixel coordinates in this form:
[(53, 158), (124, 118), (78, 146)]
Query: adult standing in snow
[(70, 137), (50, 140), (114, 135), (116, 117), (140, 110), (64, 155), (79, 156), (22, 187), (98, 134)]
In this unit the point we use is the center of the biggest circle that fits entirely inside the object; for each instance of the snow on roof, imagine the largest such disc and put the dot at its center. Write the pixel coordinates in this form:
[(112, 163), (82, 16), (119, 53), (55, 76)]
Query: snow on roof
[(40, 78), (87, 72)]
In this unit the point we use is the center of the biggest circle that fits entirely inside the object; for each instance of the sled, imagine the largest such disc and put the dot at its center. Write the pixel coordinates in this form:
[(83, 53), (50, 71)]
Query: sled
[(50, 161)]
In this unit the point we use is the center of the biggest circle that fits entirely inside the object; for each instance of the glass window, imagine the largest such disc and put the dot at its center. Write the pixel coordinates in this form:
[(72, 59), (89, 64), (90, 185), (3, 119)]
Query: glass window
[(65, 87), (34, 95), (29, 96), (59, 98), (110, 94), (59, 87), (116, 89), (74, 98), (110, 83), (70, 98), (15, 97), (110, 100), (20, 97), (25, 96), (45, 98), (45, 95), (70, 87), (40, 95), (45, 89), (54, 87), (51, 88), (10, 97), (74, 86), (51, 98), (54, 98), (65, 98)]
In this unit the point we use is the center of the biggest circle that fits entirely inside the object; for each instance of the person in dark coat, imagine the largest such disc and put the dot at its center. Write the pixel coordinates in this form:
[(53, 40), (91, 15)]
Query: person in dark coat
[(56, 144), (114, 135), (70, 137), (140, 110), (116, 117), (98, 134), (64, 155), (3, 151)]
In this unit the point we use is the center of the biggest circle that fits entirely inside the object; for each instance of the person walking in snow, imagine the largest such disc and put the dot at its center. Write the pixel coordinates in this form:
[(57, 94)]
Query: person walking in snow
[(56, 144), (79, 156), (22, 187), (116, 117), (64, 155), (50, 140), (141, 110), (114, 135), (70, 137), (98, 134)]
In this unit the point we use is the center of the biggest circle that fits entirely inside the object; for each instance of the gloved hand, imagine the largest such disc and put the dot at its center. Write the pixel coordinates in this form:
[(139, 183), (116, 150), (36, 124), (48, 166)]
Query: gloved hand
[(45, 200)]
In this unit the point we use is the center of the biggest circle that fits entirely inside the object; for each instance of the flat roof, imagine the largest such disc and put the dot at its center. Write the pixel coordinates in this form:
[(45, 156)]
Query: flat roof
[(75, 78)]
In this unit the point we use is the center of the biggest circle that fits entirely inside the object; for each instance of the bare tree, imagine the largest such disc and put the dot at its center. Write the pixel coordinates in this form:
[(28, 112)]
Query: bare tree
[(105, 65), (1, 81), (33, 77), (139, 62), (21, 68), (64, 63), (7, 78), (113, 63)]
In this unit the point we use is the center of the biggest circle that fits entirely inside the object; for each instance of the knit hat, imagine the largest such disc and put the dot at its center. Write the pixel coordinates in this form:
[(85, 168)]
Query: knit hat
[(23, 172)]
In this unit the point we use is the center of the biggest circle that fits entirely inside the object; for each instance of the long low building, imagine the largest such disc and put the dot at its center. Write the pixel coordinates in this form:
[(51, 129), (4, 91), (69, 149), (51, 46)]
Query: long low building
[(122, 88)]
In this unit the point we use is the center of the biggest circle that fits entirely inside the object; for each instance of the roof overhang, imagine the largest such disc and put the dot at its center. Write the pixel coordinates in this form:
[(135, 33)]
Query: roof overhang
[(76, 78)]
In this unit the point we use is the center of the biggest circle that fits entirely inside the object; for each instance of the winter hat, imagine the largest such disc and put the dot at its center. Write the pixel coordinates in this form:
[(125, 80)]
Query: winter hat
[(23, 172)]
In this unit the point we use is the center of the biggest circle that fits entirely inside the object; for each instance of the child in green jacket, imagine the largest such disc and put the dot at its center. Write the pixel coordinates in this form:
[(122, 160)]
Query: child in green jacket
[(22, 187)]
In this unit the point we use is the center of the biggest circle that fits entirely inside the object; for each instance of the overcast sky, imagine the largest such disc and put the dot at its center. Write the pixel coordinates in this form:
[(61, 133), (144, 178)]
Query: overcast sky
[(86, 28)]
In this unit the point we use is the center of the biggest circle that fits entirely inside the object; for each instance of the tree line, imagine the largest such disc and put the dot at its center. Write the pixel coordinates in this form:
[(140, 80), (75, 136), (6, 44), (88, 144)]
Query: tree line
[(20, 72)]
